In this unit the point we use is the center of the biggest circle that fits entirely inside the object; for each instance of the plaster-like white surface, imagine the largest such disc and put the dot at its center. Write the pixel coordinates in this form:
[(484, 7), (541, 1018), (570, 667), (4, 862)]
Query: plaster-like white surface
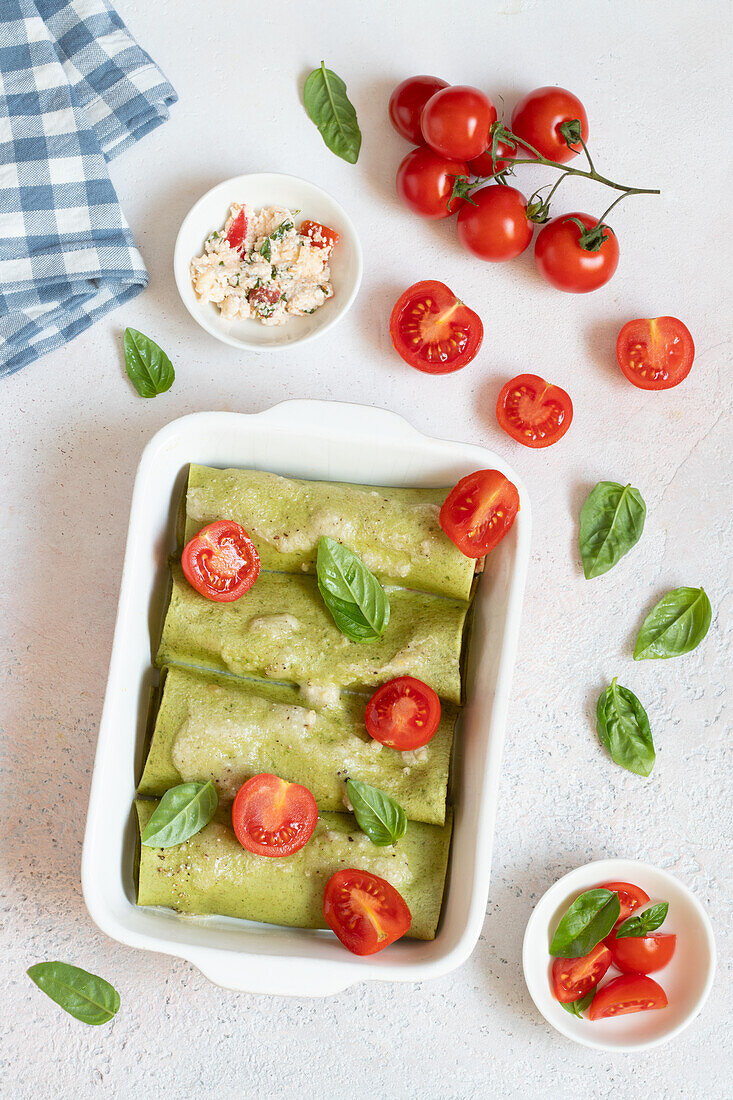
[(652, 77)]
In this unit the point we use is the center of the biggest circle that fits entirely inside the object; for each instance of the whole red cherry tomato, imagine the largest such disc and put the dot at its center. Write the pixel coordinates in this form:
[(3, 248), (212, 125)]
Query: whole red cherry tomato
[(562, 260), (538, 117), (494, 224), (484, 165), (655, 353), (425, 183), (407, 101), (456, 122)]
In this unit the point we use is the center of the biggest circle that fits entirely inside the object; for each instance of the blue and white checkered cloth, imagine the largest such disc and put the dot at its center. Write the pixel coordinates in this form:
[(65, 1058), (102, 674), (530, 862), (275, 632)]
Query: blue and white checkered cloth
[(75, 90)]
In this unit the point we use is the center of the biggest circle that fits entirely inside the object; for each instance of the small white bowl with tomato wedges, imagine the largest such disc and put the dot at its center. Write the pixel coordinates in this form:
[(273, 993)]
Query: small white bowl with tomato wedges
[(632, 974), (204, 230)]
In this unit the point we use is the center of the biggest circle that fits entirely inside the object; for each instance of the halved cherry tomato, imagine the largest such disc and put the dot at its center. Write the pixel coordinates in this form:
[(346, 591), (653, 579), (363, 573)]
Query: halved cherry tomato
[(629, 993), (221, 561), (630, 898), (642, 954), (407, 101), (272, 817), (655, 353), (319, 235), (494, 225), (538, 117), (425, 183), (483, 165), (403, 713), (433, 330), (365, 911), (534, 412), (565, 264), (237, 230), (479, 511), (573, 978), (456, 121)]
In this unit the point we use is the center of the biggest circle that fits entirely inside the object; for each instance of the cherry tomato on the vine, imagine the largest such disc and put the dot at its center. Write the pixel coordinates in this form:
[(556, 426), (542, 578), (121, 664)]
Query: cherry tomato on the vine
[(407, 101), (538, 117), (456, 121), (533, 412), (433, 330), (655, 353), (484, 165), (425, 183), (568, 266), (493, 225)]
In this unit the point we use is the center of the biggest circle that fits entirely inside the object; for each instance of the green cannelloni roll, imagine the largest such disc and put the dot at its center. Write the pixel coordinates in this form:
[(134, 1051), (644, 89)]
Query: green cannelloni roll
[(281, 630), (394, 531), (214, 727), (212, 873)]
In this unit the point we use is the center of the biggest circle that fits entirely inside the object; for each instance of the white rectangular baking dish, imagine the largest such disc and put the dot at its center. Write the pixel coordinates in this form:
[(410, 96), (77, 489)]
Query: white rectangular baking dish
[(320, 440)]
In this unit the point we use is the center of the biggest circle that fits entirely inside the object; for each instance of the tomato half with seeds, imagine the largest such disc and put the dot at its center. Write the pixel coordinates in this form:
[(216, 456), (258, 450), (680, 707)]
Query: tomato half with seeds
[(403, 713), (319, 235), (642, 954), (272, 817), (406, 104), (629, 993), (221, 562), (565, 264), (365, 911), (433, 330), (425, 183), (573, 978), (479, 511), (538, 117), (630, 898), (534, 412), (655, 353)]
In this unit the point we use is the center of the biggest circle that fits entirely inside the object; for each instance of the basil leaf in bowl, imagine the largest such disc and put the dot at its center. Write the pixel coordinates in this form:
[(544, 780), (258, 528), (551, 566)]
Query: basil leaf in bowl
[(84, 996), (352, 594), (641, 923), (611, 523), (182, 812), (676, 625), (623, 728), (377, 814), (588, 920), (577, 1008)]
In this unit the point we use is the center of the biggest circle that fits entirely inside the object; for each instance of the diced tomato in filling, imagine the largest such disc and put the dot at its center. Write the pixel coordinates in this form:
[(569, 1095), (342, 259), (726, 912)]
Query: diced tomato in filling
[(263, 297), (319, 235), (237, 231)]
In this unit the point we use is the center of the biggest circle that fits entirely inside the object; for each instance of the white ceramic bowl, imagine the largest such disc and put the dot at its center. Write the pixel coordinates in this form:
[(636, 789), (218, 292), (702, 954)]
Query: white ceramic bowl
[(686, 980), (267, 189), (321, 440)]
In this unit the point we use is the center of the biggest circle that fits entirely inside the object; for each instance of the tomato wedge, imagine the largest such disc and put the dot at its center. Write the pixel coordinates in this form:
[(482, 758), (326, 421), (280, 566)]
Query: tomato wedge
[(221, 561), (573, 978), (319, 235), (630, 898), (642, 954), (272, 817), (655, 353), (629, 993), (433, 330), (365, 911), (403, 713), (534, 412), (479, 511)]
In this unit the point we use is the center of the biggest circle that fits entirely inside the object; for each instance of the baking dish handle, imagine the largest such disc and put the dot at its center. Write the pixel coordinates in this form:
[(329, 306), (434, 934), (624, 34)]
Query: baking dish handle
[(282, 976), (352, 419)]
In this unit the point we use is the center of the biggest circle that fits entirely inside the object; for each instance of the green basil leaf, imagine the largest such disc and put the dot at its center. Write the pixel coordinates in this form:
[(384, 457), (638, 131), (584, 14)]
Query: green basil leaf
[(585, 923), (352, 594), (641, 923), (379, 816), (611, 522), (677, 625), (83, 995), (182, 812), (148, 367), (577, 1008), (623, 728), (330, 108)]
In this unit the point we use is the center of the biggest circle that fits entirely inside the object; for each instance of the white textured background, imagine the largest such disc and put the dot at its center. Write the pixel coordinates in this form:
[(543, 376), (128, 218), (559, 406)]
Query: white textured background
[(652, 76)]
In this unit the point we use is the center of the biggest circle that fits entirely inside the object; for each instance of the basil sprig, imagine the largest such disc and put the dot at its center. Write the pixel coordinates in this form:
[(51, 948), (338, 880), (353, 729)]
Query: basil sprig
[(352, 594), (611, 522), (641, 923), (147, 365), (84, 996), (623, 728), (577, 1008), (182, 812), (379, 816), (329, 107), (588, 920), (676, 625)]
